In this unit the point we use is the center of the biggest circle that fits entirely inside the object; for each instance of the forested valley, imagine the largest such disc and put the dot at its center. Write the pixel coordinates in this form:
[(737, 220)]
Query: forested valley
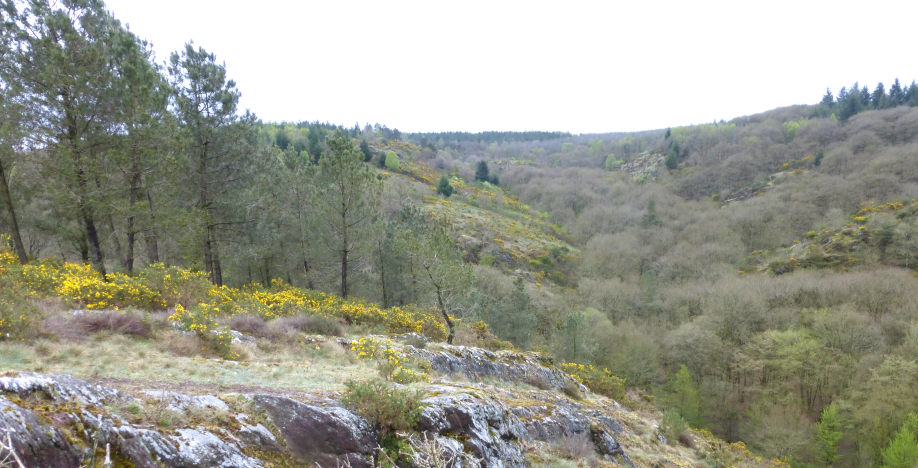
[(754, 277)]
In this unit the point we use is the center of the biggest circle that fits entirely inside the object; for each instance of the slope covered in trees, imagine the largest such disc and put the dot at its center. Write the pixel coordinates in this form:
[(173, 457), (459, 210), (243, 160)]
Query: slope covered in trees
[(756, 276)]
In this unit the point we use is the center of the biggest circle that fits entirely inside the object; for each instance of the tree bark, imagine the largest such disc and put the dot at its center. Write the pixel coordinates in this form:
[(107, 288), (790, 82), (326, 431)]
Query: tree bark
[(215, 258), (382, 275), (151, 240), (14, 224), (449, 322), (111, 227)]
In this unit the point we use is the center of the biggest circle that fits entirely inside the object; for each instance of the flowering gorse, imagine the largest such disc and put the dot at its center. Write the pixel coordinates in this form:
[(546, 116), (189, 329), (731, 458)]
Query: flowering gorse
[(393, 365)]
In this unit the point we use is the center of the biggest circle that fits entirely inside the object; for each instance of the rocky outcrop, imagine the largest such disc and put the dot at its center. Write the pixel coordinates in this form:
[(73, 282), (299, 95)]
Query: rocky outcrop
[(321, 434), (509, 366), (59, 421)]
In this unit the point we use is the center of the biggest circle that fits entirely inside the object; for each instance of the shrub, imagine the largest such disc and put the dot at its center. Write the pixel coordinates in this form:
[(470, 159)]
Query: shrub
[(444, 187), (392, 162), (16, 312), (389, 409), (201, 321), (672, 426), (393, 365), (572, 390), (600, 381)]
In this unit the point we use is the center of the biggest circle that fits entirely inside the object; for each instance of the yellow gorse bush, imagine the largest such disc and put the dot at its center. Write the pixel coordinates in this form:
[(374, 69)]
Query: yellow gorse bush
[(160, 287), (393, 365), (600, 381)]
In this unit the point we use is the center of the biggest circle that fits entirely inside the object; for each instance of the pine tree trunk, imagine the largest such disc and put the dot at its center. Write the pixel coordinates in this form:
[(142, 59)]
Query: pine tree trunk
[(382, 276), (344, 273), (14, 224), (111, 227), (215, 258), (151, 240)]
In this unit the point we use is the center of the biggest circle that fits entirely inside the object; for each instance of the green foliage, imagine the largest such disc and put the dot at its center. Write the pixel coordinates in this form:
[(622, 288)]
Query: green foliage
[(482, 174), (365, 149), (567, 148), (672, 426), (902, 452), (671, 161), (512, 318), (389, 409), (444, 187), (573, 340), (17, 313), (612, 163), (347, 196), (392, 162), (598, 380), (684, 397), (828, 433), (651, 218)]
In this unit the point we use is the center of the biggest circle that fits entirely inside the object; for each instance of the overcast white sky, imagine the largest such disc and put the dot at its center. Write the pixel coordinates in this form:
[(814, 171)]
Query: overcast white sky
[(582, 67)]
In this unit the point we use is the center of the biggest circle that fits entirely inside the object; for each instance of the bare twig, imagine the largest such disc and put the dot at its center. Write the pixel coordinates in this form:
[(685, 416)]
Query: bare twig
[(7, 461)]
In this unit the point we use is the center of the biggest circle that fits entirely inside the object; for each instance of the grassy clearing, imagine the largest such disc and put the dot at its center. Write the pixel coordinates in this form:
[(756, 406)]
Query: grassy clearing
[(291, 362)]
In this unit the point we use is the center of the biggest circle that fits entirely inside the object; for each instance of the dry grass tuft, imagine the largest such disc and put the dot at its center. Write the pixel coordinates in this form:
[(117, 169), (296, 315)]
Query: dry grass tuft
[(311, 324), (249, 325), (114, 322)]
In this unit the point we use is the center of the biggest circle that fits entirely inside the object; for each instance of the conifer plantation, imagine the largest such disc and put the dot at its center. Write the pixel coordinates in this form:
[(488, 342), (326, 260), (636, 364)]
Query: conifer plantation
[(755, 278)]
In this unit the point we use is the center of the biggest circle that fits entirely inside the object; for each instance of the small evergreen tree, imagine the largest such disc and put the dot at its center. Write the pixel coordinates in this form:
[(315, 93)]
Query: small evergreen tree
[(685, 397), (651, 218), (482, 173), (495, 180), (444, 187), (902, 451), (819, 155), (896, 95), (828, 433), (672, 160), (365, 149), (828, 99), (392, 161)]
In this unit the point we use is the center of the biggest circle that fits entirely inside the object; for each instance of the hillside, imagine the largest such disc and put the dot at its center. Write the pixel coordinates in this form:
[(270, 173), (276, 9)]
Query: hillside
[(752, 279), (169, 387)]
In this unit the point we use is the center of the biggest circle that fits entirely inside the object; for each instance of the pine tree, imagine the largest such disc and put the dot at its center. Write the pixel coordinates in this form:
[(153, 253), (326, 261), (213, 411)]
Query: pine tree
[(219, 147), (878, 100), (651, 218), (896, 95), (902, 452), (347, 195), (685, 397), (444, 187), (365, 149), (828, 433), (481, 172), (671, 161)]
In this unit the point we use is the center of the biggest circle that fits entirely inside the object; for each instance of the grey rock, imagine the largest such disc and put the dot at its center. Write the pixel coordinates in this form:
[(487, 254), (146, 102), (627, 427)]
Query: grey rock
[(239, 338), (325, 435), (38, 445), (61, 388), (179, 403), (487, 427), (476, 363)]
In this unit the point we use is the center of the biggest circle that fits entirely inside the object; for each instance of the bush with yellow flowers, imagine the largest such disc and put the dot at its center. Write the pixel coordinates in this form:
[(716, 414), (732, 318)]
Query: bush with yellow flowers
[(158, 287), (600, 381), (392, 364), (202, 321)]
